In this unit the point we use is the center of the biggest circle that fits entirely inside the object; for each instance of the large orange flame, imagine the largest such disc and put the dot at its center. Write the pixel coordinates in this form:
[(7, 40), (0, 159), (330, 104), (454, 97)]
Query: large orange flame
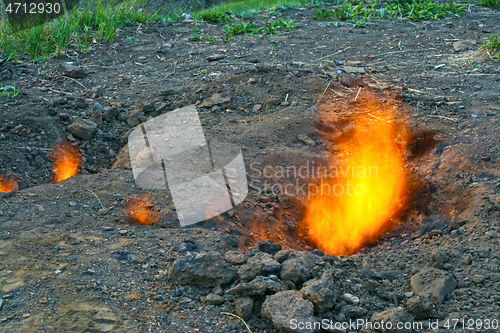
[(66, 161), (141, 210), (7, 185), (366, 187)]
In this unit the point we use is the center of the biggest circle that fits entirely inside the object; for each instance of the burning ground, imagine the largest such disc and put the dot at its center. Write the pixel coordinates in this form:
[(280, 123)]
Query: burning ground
[(74, 259)]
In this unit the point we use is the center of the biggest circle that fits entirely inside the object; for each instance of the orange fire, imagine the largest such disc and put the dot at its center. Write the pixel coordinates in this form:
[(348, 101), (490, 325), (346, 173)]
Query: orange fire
[(7, 185), (366, 186), (141, 210), (66, 161)]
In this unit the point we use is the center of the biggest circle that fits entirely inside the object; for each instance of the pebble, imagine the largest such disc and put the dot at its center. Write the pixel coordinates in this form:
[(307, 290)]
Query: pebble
[(69, 69), (354, 70), (350, 298), (306, 140), (1, 303), (215, 57), (83, 129)]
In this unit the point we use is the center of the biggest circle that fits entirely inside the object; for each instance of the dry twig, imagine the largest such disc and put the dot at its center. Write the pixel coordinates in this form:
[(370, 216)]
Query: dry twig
[(236, 316), (96, 197)]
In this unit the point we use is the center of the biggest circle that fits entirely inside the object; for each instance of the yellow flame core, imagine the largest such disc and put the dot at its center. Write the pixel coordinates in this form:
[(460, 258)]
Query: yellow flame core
[(367, 189), (66, 161), (7, 185)]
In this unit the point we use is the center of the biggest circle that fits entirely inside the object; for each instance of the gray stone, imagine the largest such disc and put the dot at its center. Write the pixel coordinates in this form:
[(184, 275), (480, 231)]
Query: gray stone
[(260, 264), (282, 255), (306, 140), (215, 99), (215, 57), (353, 311), (437, 283), (235, 257), (214, 299), (83, 128), (1, 303), (206, 269), (298, 267), (354, 70), (110, 114), (96, 117), (478, 278), (6, 74), (439, 257), (243, 307), (268, 247), (70, 70), (285, 306), (321, 292), (394, 316), (421, 306), (135, 117), (259, 286)]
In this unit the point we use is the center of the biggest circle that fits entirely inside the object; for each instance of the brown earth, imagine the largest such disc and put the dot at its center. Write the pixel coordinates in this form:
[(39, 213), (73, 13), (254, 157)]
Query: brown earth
[(71, 260)]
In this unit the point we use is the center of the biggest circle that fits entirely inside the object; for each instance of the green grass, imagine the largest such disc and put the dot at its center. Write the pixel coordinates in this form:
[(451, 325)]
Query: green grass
[(495, 4), (100, 22), (97, 21), (492, 47), (8, 91)]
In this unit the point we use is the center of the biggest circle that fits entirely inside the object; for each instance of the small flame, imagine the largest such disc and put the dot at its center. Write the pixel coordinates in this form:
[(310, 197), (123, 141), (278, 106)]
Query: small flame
[(7, 185), (366, 188), (141, 210), (66, 161)]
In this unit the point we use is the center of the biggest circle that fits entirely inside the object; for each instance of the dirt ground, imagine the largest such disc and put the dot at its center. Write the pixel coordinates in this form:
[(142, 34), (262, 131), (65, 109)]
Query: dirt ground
[(71, 260)]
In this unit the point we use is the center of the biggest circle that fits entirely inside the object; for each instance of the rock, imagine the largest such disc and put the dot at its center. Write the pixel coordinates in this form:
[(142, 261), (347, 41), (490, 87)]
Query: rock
[(164, 48), (6, 74), (286, 308), (306, 140), (268, 247), (478, 278), (110, 114), (81, 103), (205, 269), (260, 264), (235, 257), (350, 298), (215, 57), (1, 303), (282, 255), (318, 252), (214, 299), (354, 70), (421, 307), (215, 99), (321, 292), (243, 307), (439, 257), (298, 267), (353, 311), (96, 117), (463, 45), (434, 281), (274, 101), (259, 286), (393, 316), (83, 129), (351, 81), (256, 107), (353, 63), (135, 117), (70, 70)]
